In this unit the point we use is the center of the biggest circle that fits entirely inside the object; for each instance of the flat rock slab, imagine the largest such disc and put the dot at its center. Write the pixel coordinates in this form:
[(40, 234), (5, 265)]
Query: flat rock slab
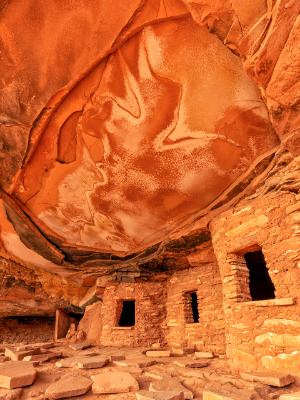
[(155, 346), (114, 382), (207, 395), (80, 346), (43, 345), (120, 363), (69, 386), (158, 353), (15, 355), (92, 362), (117, 357), (22, 347), (69, 362), (177, 352), (290, 396), (144, 363), (157, 375), (268, 378), (192, 364), (42, 357), (15, 374), (145, 395), (84, 362), (203, 354), (170, 385)]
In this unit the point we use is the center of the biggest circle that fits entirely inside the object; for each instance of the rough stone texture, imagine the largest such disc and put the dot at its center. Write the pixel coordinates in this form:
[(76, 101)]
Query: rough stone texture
[(256, 332), (205, 279), (91, 323), (145, 395), (290, 396), (135, 142), (10, 394), (69, 386), (80, 346), (193, 139), (114, 382), (62, 324), (83, 362), (158, 353), (170, 384), (62, 130), (150, 314), (19, 355), (15, 374), (269, 378), (92, 362), (192, 364), (217, 396), (203, 354)]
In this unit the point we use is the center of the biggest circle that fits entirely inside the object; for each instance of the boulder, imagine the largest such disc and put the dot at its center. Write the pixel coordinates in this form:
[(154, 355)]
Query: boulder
[(69, 386), (114, 382), (15, 374)]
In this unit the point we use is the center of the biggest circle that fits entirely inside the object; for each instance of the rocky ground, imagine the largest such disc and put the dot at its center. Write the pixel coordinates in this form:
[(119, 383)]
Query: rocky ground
[(26, 330), (61, 370)]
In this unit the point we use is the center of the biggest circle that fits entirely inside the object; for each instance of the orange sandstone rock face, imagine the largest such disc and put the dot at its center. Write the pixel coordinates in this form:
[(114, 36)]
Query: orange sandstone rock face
[(119, 126), (160, 133)]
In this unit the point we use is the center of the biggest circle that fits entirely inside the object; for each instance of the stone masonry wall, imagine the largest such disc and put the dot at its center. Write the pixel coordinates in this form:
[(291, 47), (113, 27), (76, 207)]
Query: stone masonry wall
[(150, 314), (204, 278), (266, 333)]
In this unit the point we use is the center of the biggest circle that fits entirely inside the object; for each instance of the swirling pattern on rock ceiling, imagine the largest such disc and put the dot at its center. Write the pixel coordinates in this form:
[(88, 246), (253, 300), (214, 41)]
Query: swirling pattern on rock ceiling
[(154, 133)]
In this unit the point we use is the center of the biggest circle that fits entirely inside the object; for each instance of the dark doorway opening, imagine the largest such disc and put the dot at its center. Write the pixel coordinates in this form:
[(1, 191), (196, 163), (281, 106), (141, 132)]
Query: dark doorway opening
[(191, 312), (260, 283), (127, 316), (66, 322)]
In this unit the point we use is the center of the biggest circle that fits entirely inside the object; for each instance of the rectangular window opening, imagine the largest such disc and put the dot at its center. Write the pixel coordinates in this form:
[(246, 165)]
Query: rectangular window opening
[(191, 307), (127, 314), (260, 283)]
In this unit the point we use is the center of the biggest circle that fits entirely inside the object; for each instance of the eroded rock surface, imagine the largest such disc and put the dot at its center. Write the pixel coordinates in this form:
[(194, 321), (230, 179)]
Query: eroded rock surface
[(99, 159), (145, 149)]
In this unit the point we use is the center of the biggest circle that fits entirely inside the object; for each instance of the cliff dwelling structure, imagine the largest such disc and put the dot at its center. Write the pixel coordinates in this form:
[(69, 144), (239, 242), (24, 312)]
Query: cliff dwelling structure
[(150, 199)]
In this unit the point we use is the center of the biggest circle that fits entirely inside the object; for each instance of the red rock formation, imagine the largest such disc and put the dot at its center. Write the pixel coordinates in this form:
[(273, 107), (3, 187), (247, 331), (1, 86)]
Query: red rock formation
[(125, 131)]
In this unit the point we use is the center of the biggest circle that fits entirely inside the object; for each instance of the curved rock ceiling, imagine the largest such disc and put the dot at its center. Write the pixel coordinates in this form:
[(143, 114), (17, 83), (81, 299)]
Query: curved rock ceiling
[(119, 126), (165, 130)]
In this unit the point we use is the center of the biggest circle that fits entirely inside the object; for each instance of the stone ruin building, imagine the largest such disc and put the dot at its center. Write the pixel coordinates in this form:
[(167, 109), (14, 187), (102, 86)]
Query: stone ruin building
[(149, 199)]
